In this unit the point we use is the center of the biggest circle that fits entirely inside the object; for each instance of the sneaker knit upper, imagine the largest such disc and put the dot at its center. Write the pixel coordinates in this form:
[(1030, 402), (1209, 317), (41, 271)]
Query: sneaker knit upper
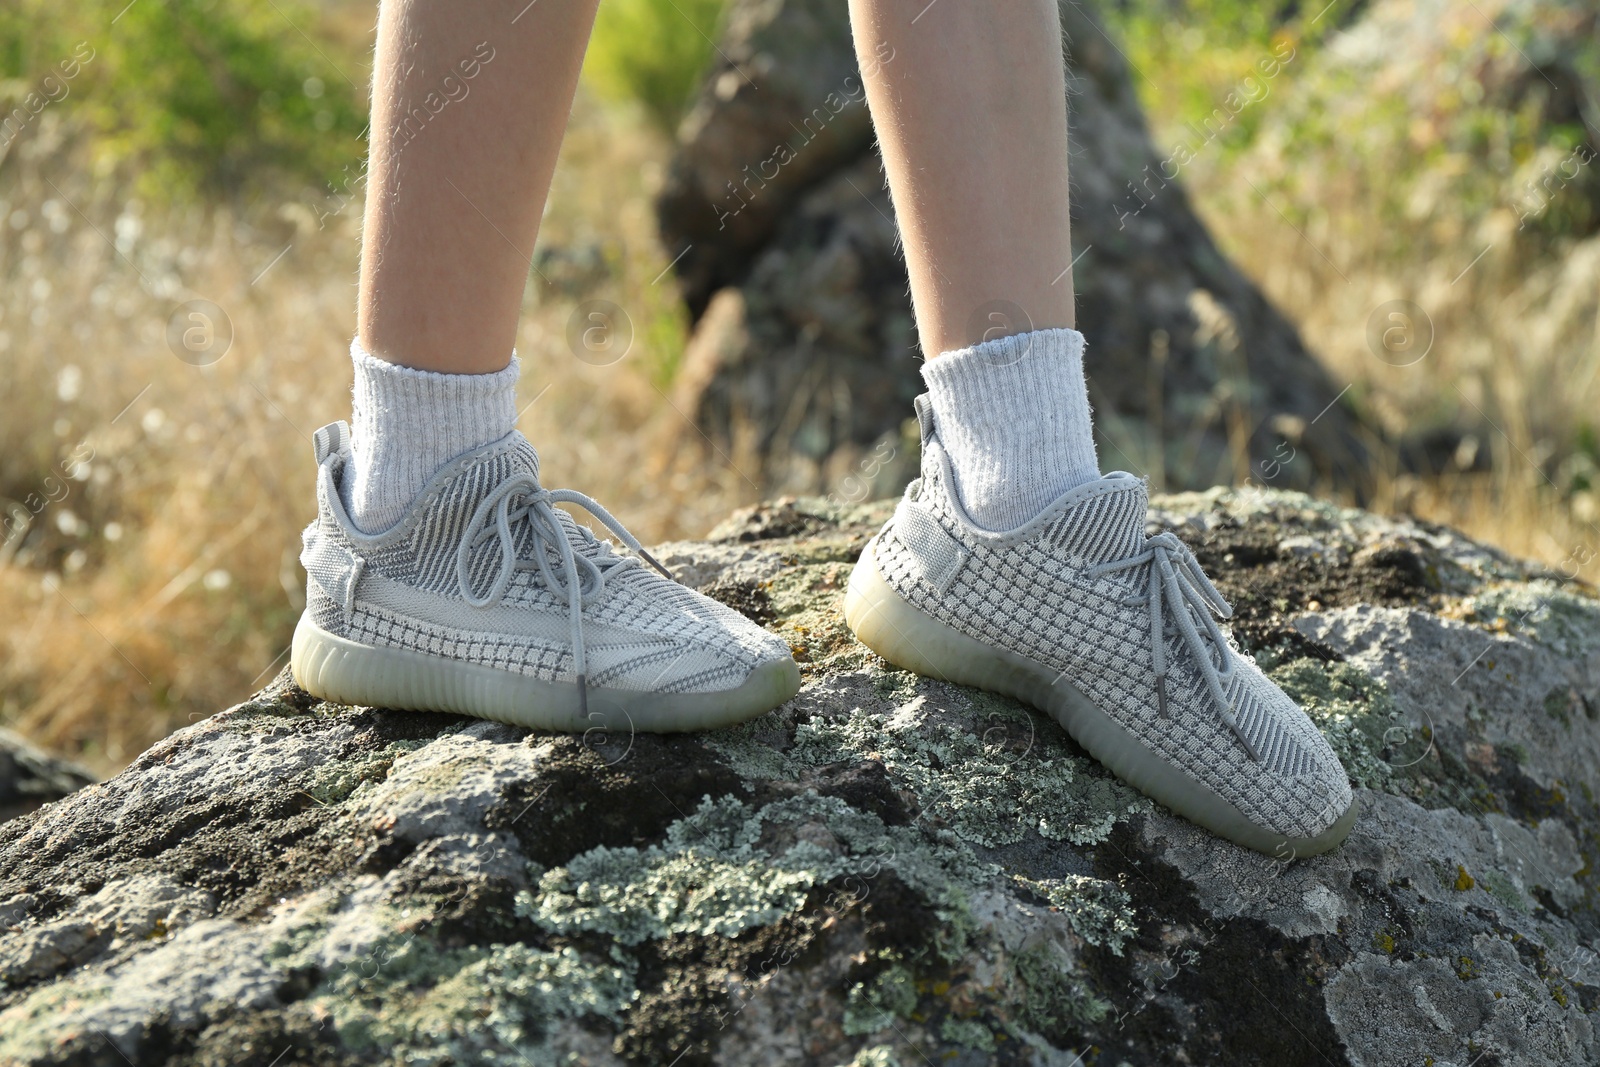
[(1032, 592), (408, 587)]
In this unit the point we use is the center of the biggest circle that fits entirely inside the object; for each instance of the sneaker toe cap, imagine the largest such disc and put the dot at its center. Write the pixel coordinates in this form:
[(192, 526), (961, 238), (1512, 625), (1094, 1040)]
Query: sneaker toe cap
[(1312, 780), (709, 648)]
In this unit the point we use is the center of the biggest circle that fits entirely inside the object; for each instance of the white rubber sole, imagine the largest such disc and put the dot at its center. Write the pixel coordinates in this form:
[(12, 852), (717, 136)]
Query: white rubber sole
[(909, 638), (337, 669)]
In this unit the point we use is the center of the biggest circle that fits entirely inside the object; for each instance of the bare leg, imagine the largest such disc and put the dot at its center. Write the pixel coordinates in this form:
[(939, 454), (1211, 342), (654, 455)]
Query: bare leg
[(470, 102), (469, 106), (969, 101), (969, 104)]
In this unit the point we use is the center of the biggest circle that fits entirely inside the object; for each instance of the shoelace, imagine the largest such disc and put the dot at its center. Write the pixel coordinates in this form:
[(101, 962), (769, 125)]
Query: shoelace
[(520, 498), (1177, 582)]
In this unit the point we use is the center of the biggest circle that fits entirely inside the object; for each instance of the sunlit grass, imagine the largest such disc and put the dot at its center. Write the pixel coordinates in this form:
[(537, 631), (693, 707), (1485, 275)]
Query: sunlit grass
[(1398, 174), (158, 581)]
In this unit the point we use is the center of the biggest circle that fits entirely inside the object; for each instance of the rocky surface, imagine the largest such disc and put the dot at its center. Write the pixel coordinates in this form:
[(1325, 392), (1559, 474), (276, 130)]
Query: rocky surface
[(804, 359), (886, 870)]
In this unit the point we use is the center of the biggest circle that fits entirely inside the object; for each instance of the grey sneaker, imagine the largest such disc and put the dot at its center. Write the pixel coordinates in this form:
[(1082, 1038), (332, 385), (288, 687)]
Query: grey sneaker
[(1082, 615), (487, 600)]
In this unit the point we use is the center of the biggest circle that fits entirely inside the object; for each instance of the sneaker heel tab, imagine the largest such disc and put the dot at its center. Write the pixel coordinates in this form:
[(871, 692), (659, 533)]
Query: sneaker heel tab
[(924, 408), (331, 440)]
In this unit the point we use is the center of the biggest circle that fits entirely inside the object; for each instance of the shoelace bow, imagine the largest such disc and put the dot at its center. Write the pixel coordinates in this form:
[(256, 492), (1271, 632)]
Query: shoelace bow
[(520, 498), (1177, 582)]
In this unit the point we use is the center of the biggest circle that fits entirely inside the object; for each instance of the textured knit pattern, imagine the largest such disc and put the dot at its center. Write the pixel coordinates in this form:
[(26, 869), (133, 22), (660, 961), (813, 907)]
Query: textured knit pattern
[(1029, 593), (1013, 414), (401, 589), (408, 423)]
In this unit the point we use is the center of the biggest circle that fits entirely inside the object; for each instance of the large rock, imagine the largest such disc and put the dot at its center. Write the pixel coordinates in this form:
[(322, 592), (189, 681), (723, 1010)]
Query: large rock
[(885, 870), (805, 353)]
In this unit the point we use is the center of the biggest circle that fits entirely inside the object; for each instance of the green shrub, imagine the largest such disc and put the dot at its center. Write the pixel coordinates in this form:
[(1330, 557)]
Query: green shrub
[(197, 96), (653, 52), (1190, 54)]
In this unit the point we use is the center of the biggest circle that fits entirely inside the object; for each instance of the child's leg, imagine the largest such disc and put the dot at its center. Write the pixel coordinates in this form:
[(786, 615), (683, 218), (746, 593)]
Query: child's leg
[(971, 114), (969, 101), (470, 102), (1077, 610), (483, 597), (454, 198)]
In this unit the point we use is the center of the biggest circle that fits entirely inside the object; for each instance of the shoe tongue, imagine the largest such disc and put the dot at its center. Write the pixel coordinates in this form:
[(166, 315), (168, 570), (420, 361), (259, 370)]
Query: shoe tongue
[(1106, 522), (517, 456)]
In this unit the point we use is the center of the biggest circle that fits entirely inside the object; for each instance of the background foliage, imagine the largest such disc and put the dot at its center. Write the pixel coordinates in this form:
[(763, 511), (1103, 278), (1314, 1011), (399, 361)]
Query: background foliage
[(653, 52), (196, 98)]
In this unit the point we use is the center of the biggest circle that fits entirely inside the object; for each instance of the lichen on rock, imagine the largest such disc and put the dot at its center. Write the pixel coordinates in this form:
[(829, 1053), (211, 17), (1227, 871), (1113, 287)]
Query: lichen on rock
[(887, 869), (1354, 712)]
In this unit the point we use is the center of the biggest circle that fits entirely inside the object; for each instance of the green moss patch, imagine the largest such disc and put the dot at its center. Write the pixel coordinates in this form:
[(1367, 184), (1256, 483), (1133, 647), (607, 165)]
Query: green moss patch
[(1009, 773), (873, 1005), (337, 780), (1098, 910), (492, 1005), (729, 867), (808, 602), (1054, 996), (1355, 713)]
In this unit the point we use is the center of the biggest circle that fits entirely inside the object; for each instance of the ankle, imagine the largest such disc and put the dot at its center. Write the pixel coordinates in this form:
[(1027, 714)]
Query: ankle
[(1013, 415), (408, 423)]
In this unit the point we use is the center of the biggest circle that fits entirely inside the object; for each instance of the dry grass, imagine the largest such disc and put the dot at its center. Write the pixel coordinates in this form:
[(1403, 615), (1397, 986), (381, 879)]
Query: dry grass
[(1512, 337), (158, 581)]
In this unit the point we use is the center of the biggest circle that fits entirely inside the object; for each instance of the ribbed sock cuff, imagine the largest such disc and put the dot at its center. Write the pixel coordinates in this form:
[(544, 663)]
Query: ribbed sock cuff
[(1013, 415), (408, 423)]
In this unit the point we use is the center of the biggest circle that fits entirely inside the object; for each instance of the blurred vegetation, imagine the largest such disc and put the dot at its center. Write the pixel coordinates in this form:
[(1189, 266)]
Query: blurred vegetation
[(208, 98), (198, 98), (653, 52), (1502, 91), (1440, 152), (1189, 54)]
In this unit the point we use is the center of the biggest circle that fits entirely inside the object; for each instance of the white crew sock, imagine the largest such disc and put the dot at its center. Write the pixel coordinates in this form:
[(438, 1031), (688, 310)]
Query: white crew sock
[(1013, 414), (409, 423)]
